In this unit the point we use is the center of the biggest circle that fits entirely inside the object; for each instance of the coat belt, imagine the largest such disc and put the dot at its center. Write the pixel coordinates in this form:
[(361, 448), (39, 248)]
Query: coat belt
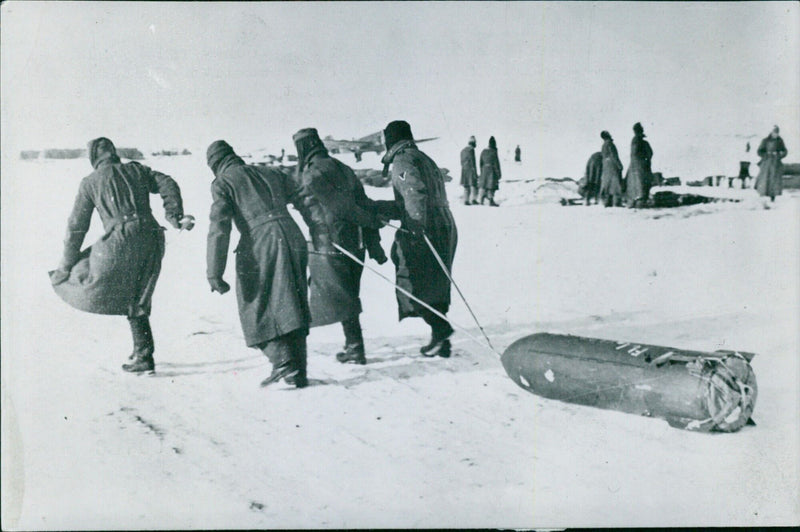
[(266, 217)]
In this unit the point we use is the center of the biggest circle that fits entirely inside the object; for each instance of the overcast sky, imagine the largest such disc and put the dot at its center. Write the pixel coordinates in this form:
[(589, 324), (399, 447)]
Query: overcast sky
[(547, 75)]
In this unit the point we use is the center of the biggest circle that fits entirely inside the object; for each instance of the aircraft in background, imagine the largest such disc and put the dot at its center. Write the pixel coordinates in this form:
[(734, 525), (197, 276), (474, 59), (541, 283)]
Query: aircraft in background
[(373, 142)]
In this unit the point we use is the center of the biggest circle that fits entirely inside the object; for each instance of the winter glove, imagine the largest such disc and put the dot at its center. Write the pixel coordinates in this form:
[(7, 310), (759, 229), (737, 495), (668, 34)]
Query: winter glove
[(187, 222), (218, 285), (376, 253), (58, 276), (322, 243)]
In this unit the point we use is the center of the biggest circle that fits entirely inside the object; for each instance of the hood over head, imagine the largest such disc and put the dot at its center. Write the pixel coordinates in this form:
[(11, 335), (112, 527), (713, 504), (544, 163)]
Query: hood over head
[(492, 143), (219, 154), (638, 129), (605, 135), (102, 149), (395, 132), (308, 144), (472, 142)]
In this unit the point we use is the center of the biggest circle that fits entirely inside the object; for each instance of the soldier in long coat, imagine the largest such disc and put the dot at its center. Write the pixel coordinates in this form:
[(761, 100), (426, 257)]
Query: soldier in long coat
[(117, 274), (490, 172), (271, 258), (639, 177), (469, 173), (770, 174), (350, 221), (594, 171), (421, 205), (611, 180)]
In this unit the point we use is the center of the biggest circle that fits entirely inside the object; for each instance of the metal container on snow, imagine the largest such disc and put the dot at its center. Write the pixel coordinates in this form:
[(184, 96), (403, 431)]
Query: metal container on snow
[(692, 390)]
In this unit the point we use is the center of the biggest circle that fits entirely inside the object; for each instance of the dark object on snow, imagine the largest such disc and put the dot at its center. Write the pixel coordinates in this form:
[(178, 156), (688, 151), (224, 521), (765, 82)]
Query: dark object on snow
[(54, 153), (518, 154), (27, 155), (671, 182), (691, 390)]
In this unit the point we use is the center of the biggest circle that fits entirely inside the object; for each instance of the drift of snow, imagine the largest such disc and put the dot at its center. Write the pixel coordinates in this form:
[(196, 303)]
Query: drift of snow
[(403, 441)]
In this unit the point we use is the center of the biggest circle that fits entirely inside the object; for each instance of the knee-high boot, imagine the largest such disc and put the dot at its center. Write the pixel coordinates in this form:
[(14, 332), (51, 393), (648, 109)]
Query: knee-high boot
[(143, 346), (354, 343)]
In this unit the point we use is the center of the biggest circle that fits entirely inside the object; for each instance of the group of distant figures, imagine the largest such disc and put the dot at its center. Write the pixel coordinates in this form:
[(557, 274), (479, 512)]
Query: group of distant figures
[(603, 180), (284, 284), (479, 187)]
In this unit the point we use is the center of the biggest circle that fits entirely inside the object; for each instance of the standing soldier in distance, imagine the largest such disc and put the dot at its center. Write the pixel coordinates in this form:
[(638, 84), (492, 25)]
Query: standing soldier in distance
[(640, 176), (490, 172), (518, 154), (421, 206), (594, 169), (349, 220), (271, 258), (770, 174), (469, 173), (611, 179), (117, 274)]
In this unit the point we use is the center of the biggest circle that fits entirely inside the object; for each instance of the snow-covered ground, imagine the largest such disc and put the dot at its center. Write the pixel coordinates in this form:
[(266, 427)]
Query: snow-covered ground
[(403, 441)]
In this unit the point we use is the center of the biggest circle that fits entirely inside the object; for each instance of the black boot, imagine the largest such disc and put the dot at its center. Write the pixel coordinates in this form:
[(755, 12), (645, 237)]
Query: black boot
[(440, 334), (300, 356), (279, 352), (143, 346), (354, 343)]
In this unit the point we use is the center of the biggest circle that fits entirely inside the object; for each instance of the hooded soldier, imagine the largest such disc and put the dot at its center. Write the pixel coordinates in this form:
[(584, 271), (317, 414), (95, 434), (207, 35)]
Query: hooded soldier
[(350, 222), (421, 205), (469, 173), (490, 172), (117, 274), (611, 179), (639, 177), (770, 174), (271, 257)]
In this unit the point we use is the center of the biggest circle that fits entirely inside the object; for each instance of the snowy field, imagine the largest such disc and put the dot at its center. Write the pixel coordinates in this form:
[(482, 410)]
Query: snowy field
[(403, 441)]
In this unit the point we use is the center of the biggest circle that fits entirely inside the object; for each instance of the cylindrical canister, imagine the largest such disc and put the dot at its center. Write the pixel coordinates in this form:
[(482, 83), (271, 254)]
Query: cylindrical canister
[(693, 390)]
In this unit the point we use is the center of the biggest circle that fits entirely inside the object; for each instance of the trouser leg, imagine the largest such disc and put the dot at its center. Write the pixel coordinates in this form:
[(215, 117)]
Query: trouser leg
[(467, 191), (282, 352)]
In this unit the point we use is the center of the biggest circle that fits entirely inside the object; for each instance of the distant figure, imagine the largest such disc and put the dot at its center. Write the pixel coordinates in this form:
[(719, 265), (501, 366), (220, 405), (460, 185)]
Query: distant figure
[(117, 274), (271, 257), (611, 180), (357, 153), (770, 176), (639, 177), (518, 154), (490, 172), (421, 205), (592, 177), (469, 173), (350, 221)]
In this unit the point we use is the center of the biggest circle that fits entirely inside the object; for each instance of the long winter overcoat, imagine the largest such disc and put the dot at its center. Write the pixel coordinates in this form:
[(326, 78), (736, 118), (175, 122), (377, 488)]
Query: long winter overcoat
[(639, 177), (469, 172), (490, 170), (611, 180), (271, 257), (349, 221), (594, 171), (421, 205), (118, 273), (770, 174)]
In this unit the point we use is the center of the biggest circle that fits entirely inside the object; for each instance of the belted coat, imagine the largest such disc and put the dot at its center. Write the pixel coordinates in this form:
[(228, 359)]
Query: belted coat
[(271, 256), (117, 274)]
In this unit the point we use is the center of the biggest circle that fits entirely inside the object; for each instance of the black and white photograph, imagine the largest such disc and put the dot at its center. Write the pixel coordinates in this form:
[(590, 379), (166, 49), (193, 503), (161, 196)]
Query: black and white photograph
[(358, 265)]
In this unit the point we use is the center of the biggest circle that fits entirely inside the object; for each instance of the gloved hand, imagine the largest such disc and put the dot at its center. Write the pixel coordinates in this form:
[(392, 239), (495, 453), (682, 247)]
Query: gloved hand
[(322, 243), (377, 254), (187, 222), (218, 285), (58, 276)]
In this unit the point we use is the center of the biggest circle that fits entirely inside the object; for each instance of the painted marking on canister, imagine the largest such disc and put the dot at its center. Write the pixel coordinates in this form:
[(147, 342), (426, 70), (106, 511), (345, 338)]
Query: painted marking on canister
[(524, 381), (549, 375)]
